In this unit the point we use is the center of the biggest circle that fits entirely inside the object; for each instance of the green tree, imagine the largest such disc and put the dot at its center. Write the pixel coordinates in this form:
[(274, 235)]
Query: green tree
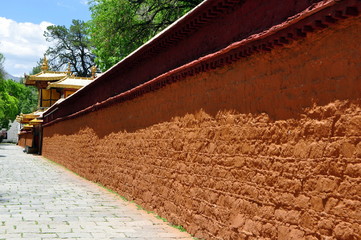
[(2, 72), (8, 105), (118, 27), (15, 98), (71, 46)]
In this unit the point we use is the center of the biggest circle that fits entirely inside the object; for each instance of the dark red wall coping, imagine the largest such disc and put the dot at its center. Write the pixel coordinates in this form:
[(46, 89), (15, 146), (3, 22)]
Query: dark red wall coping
[(318, 16)]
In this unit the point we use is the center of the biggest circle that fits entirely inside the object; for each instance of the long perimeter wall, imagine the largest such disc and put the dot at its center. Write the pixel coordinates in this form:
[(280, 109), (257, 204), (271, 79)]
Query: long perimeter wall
[(266, 147)]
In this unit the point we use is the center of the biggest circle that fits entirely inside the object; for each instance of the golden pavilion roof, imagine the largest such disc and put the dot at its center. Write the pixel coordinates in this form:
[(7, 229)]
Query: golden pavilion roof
[(36, 121), (44, 76), (27, 126), (71, 82), (51, 79), (26, 118)]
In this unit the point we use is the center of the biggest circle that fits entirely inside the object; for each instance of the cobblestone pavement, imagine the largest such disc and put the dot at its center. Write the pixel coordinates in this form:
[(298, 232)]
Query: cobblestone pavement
[(41, 200)]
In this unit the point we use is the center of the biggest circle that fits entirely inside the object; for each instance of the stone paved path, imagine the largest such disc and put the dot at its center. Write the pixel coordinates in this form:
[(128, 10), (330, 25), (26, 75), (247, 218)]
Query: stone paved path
[(40, 200)]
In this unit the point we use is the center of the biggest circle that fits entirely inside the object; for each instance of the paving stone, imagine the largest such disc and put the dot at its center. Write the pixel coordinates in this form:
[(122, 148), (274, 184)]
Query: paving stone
[(39, 235), (40, 200)]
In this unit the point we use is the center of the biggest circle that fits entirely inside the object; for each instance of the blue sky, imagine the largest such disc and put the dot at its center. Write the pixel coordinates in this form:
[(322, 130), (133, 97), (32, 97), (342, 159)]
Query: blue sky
[(58, 12), (22, 23)]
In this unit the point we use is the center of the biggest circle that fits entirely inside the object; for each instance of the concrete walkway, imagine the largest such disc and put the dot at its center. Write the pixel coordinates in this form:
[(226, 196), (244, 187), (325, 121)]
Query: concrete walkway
[(40, 200)]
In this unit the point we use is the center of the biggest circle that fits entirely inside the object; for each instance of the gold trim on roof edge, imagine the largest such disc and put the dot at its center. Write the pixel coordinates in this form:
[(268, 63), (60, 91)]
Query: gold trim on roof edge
[(59, 84), (64, 86)]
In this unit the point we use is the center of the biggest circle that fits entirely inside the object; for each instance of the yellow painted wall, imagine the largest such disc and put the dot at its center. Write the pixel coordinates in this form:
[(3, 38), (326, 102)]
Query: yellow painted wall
[(49, 97)]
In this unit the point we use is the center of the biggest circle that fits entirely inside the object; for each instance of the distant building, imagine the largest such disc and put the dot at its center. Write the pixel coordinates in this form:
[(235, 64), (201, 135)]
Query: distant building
[(12, 133), (53, 87)]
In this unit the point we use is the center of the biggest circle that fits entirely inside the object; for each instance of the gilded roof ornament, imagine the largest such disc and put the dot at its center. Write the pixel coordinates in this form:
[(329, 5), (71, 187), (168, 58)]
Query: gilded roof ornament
[(45, 66), (94, 70), (69, 69)]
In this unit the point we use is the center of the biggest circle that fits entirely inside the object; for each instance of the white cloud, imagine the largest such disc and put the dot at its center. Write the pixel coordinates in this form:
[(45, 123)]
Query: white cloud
[(22, 44), (64, 5), (84, 2)]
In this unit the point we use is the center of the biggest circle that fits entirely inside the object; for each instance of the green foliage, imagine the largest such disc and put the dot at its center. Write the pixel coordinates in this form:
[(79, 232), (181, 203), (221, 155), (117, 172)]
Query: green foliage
[(118, 27), (2, 59), (180, 228), (163, 219), (15, 98), (71, 47), (8, 105)]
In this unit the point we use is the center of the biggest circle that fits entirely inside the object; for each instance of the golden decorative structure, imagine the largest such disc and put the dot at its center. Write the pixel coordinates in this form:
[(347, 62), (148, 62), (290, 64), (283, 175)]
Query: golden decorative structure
[(94, 70), (53, 88), (69, 69), (45, 66)]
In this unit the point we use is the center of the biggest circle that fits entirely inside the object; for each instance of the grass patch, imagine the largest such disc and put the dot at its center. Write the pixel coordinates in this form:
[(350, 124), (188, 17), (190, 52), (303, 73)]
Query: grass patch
[(179, 227), (163, 219), (143, 209), (112, 191)]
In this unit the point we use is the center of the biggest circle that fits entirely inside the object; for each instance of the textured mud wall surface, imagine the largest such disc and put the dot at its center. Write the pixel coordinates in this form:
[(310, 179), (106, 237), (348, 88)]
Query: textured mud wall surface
[(25, 139), (21, 141), (235, 174), (275, 153)]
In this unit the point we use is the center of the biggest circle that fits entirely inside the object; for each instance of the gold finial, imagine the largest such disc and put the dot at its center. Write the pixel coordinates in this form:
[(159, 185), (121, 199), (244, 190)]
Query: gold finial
[(45, 66), (69, 70), (94, 70)]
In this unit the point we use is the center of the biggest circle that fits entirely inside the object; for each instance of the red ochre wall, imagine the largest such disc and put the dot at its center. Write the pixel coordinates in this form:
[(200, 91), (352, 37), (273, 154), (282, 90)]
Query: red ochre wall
[(25, 139), (268, 147), (243, 19)]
